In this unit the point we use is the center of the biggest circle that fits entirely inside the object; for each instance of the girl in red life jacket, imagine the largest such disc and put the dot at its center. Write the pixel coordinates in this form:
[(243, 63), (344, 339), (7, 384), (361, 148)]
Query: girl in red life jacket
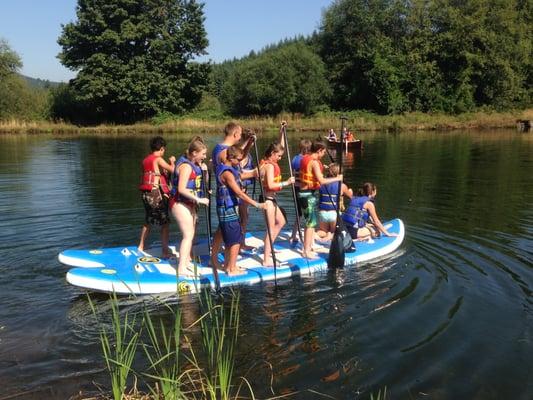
[(272, 183), (154, 191), (187, 179)]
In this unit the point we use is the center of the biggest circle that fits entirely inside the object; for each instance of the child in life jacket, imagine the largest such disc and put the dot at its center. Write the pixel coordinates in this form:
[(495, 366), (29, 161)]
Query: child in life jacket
[(229, 195), (155, 193), (272, 183), (327, 204), (311, 178), (361, 218), (305, 148), (187, 194), (232, 137), (248, 185)]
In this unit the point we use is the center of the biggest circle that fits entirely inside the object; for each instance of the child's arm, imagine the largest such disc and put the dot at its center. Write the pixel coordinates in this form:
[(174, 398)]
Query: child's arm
[(161, 163), (375, 219), (269, 179), (320, 178), (347, 191), (229, 180)]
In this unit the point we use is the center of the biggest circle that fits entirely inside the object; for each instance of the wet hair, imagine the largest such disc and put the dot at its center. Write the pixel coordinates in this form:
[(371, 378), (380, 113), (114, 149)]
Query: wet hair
[(234, 152), (305, 146), (274, 147), (157, 142), (196, 144), (334, 169), (231, 128), (366, 189), (317, 146)]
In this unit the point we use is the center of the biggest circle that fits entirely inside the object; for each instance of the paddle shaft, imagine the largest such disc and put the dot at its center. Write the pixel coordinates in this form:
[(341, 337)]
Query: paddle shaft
[(269, 234), (207, 191), (294, 198)]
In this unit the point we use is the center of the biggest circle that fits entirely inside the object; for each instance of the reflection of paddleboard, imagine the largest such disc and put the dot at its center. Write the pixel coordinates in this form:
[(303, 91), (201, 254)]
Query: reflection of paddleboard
[(127, 270)]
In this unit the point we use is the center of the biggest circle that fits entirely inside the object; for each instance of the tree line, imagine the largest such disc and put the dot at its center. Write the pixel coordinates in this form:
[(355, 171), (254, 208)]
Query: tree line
[(135, 60)]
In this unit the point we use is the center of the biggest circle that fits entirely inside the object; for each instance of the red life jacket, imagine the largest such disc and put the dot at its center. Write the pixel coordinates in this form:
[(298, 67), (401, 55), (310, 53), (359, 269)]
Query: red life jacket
[(277, 176), (151, 179), (307, 177)]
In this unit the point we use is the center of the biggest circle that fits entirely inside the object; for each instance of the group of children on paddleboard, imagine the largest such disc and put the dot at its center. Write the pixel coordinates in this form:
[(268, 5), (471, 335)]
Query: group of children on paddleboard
[(179, 186)]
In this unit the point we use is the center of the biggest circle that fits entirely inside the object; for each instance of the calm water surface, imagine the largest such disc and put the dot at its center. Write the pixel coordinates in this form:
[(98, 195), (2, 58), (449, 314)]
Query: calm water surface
[(448, 316)]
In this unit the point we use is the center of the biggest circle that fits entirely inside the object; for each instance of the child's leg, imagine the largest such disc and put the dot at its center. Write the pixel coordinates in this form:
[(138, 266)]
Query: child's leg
[(215, 249), (185, 220), (271, 221), (145, 231), (230, 261), (243, 214), (165, 233)]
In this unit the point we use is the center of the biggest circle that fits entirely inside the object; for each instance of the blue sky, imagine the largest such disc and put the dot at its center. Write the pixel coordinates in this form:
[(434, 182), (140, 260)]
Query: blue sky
[(234, 28)]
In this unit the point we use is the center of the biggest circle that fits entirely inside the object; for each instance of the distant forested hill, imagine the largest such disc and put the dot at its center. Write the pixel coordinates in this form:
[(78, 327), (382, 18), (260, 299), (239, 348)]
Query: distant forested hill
[(40, 83)]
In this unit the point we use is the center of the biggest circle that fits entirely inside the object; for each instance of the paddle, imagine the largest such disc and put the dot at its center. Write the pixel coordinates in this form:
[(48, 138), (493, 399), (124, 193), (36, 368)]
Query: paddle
[(336, 251), (207, 193), (266, 217)]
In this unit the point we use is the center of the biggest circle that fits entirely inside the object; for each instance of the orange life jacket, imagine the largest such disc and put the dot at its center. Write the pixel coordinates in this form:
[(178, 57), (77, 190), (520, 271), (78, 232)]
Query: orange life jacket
[(277, 176), (307, 177)]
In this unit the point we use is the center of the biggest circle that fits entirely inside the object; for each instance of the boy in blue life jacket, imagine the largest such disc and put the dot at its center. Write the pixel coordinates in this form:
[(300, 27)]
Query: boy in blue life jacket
[(229, 195)]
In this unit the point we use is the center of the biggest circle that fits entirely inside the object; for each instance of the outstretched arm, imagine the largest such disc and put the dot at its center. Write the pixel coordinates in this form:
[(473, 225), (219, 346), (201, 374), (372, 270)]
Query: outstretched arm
[(229, 180), (320, 176), (375, 219)]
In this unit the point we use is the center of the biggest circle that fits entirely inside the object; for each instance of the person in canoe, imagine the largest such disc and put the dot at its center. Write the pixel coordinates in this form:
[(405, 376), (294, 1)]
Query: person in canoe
[(332, 136), (311, 178), (272, 183), (361, 218), (305, 148), (229, 195), (155, 193), (186, 196), (350, 137), (327, 204)]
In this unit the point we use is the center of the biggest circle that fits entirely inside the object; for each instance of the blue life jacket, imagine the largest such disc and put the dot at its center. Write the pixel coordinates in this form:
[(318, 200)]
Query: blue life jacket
[(216, 152), (194, 181), (355, 215), (225, 196), (295, 163), (248, 166), (327, 202)]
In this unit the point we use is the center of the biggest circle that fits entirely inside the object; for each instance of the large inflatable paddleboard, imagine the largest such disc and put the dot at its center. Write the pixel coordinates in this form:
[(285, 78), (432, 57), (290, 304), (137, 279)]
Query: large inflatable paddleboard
[(127, 270)]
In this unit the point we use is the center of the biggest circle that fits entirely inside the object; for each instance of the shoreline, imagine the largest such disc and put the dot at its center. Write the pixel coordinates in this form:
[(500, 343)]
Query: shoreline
[(357, 121)]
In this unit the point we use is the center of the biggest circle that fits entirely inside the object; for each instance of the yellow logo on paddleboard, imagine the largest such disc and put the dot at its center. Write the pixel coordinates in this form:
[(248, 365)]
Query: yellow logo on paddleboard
[(183, 288), (108, 271), (149, 260), (95, 251)]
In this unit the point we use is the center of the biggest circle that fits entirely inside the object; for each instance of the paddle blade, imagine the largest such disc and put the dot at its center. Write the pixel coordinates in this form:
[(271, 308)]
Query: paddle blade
[(336, 251)]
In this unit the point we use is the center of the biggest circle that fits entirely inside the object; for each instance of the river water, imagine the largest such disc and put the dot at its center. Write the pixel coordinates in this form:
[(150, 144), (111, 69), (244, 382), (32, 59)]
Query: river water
[(447, 316)]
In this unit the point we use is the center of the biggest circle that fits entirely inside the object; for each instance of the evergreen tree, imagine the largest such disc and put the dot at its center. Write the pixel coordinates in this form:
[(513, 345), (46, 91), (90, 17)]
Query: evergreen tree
[(134, 57)]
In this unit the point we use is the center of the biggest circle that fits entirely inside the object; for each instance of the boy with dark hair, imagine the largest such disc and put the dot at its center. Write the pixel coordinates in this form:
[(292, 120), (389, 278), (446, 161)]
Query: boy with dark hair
[(155, 193)]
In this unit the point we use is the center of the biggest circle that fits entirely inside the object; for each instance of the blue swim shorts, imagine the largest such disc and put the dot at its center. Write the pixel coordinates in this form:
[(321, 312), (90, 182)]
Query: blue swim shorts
[(230, 226)]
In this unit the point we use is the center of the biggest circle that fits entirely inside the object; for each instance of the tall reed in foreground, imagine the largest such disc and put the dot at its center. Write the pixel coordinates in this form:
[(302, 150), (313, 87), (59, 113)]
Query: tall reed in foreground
[(119, 345)]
